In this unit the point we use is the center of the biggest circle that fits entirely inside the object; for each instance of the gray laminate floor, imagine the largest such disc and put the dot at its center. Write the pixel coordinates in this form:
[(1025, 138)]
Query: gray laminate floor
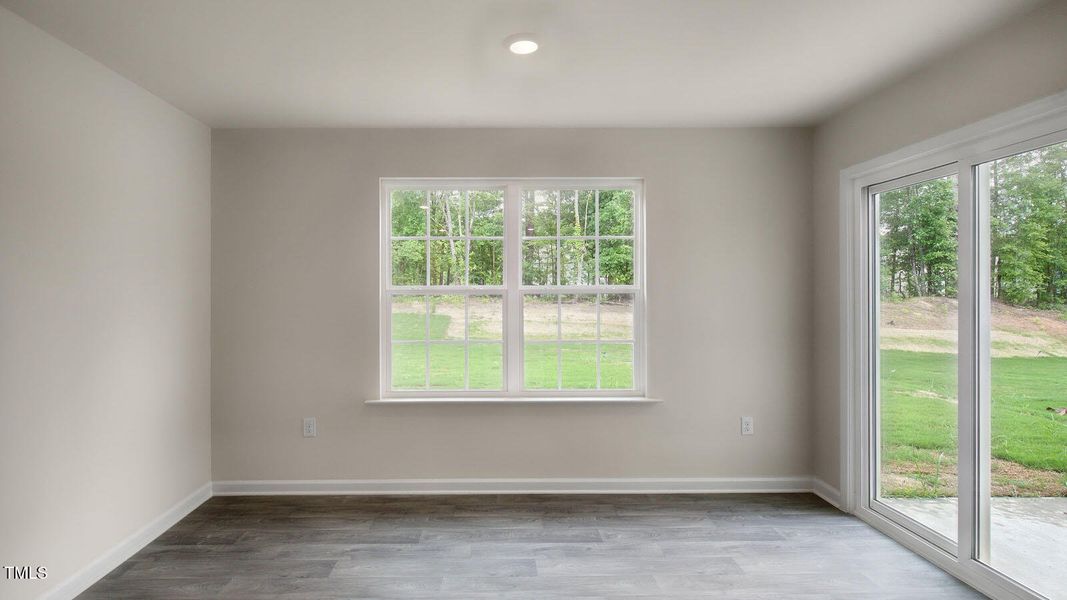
[(740, 546)]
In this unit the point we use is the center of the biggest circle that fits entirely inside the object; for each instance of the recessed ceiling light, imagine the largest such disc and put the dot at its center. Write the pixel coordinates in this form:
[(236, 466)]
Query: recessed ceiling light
[(521, 43)]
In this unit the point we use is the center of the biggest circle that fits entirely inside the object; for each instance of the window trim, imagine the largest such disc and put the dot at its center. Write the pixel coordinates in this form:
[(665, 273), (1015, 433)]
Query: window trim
[(512, 292)]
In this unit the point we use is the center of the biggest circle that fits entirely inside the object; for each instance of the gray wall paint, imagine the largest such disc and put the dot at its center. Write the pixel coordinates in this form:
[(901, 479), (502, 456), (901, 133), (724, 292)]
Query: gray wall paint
[(295, 308), (104, 306), (1021, 61)]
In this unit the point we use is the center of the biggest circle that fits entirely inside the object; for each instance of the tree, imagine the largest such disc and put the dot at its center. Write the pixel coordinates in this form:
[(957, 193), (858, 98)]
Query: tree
[(919, 238), (1028, 227)]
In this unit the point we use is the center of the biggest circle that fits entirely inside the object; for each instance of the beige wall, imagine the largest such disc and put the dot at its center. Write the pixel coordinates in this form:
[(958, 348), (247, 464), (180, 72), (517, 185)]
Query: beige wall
[(1021, 61), (104, 306), (295, 308)]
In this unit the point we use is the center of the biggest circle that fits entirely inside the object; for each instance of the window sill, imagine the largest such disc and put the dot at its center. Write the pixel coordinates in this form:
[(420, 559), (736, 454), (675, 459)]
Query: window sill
[(518, 400)]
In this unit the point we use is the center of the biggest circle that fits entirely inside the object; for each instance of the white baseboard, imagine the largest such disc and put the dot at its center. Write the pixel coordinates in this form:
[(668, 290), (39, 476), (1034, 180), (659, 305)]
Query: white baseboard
[(827, 492), (94, 571), (514, 486)]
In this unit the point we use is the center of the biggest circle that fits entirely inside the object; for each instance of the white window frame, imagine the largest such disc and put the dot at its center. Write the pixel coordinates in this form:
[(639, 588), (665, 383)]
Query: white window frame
[(962, 151), (512, 291)]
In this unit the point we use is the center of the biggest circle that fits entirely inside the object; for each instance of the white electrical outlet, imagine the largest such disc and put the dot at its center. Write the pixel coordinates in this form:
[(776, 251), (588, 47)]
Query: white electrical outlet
[(310, 428), (747, 426)]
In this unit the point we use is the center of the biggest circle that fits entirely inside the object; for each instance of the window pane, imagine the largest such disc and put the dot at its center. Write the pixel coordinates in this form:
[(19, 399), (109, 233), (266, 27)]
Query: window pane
[(448, 214), (409, 262), (616, 262), (578, 317), (577, 213), (539, 262), (409, 366), (409, 213), (540, 366), (487, 262), (1026, 490), (409, 317), (448, 262), (486, 316), (578, 362), (616, 366), (577, 265), (617, 317), (486, 366), (616, 212), (917, 237), (539, 212), (447, 366), (540, 317), (447, 318), (487, 212)]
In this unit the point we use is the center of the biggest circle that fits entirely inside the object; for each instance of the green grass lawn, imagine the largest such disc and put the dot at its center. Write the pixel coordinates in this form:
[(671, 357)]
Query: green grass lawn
[(578, 366), (411, 326), (919, 417), (575, 362)]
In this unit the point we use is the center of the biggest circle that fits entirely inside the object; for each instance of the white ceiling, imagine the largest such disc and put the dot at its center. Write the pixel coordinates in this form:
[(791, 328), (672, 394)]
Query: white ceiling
[(421, 63)]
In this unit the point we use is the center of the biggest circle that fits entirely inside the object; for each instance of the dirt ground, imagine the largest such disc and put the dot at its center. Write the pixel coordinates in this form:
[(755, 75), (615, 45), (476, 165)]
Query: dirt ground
[(1008, 479), (929, 325), (578, 320), (539, 318)]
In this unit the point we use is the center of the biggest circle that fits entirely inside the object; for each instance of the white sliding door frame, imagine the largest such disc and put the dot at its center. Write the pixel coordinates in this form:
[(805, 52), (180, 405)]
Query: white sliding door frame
[(873, 305), (981, 309), (1034, 125)]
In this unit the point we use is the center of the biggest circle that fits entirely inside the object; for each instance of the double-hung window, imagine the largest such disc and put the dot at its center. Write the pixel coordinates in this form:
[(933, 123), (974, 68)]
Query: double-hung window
[(521, 288)]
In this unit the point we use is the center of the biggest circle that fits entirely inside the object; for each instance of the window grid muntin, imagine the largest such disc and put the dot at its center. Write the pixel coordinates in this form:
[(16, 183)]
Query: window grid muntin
[(428, 237), (596, 288), (596, 238), (428, 342), (599, 341)]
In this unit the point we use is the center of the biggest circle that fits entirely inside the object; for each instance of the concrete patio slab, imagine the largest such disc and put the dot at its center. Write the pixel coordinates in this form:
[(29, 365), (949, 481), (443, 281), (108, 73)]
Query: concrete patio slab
[(1028, 536)]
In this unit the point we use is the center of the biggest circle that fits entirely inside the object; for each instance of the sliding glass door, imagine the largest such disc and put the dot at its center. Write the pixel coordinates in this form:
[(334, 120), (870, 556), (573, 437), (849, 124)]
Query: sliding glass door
[(964, 337), (1022, 405), (916, 335)]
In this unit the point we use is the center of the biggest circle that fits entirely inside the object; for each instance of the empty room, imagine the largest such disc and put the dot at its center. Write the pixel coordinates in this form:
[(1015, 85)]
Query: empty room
[(533, 299)]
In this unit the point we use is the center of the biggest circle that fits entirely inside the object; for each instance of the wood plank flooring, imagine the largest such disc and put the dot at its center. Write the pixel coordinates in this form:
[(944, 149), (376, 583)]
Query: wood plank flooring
[(738, 546)]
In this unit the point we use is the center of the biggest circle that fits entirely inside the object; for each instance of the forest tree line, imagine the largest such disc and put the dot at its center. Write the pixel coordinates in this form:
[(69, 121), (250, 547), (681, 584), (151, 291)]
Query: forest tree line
[(1028, 233), (450, 216)]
